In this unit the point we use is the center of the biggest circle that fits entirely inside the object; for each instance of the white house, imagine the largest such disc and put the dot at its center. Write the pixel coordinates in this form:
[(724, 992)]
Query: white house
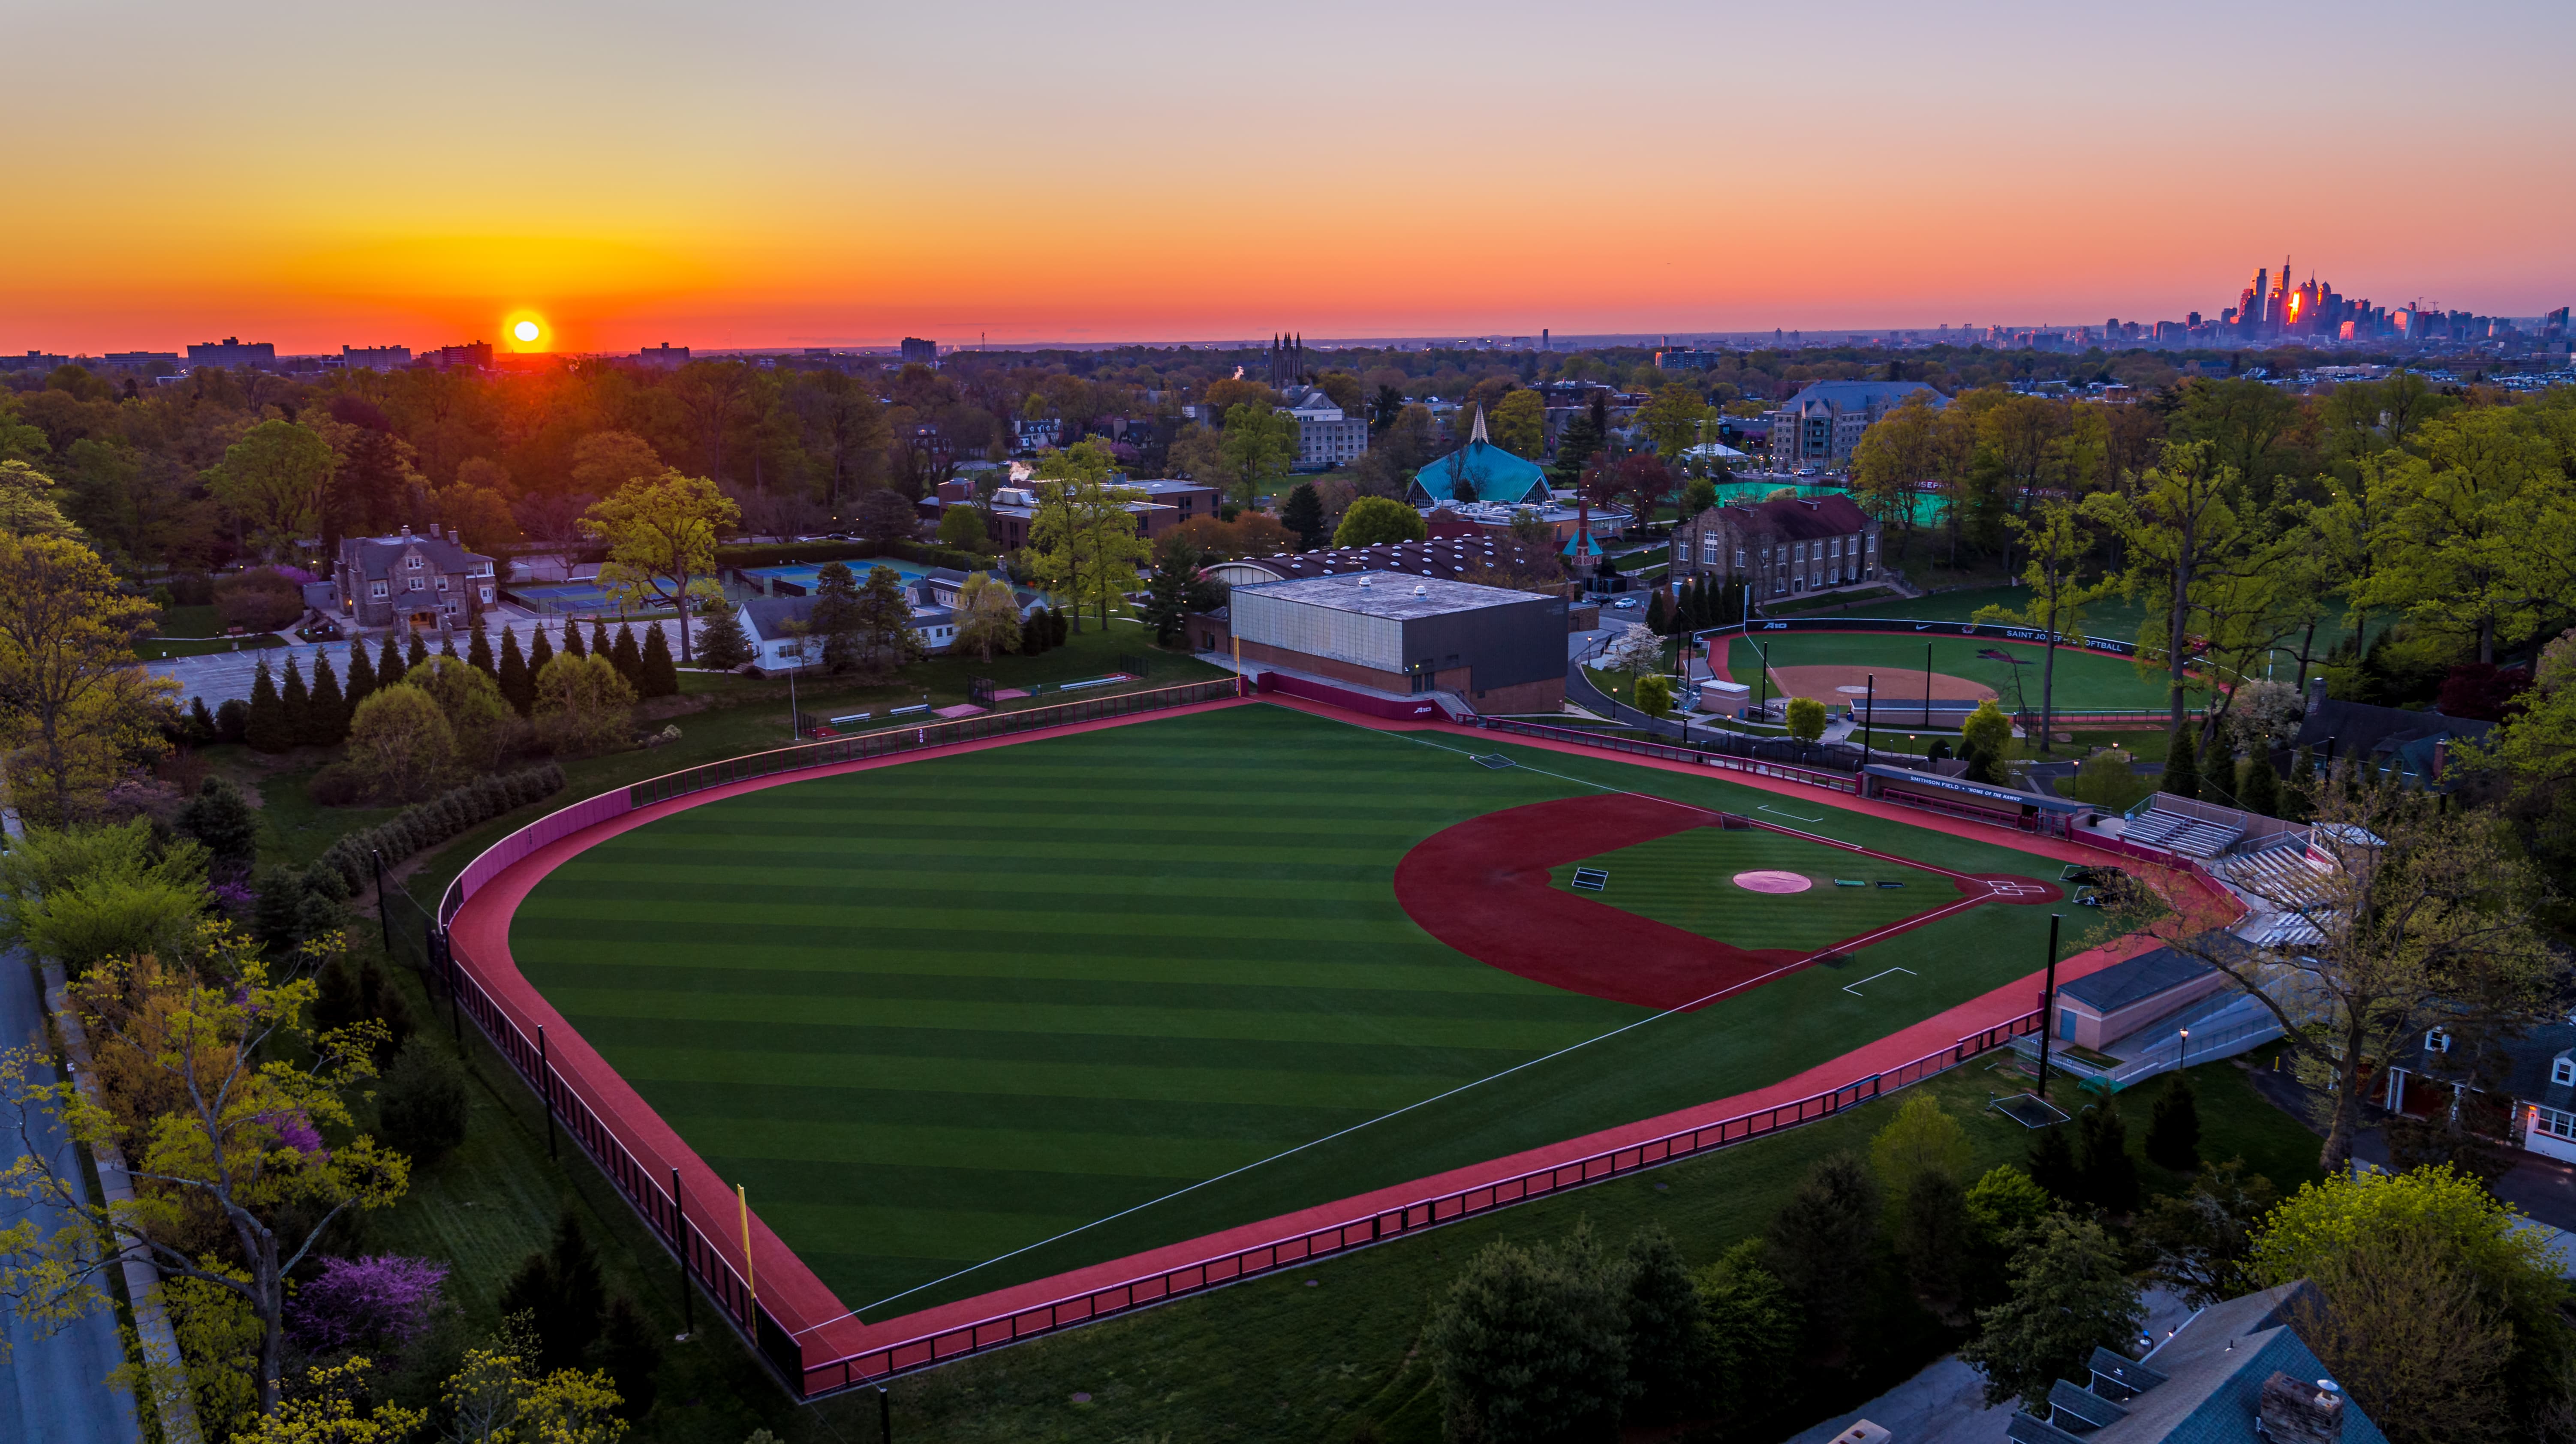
[(775, 625)]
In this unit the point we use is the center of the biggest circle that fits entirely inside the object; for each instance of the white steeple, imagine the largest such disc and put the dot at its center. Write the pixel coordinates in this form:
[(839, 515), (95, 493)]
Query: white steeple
[(1478, 432)]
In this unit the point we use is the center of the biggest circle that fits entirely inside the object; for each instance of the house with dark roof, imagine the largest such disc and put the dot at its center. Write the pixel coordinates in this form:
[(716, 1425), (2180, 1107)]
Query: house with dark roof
[(1494, 475), (1822, 423), (428, 583), (2416, 746), (2237, 1372), (2520, 1085), (1784, 547), (779, 628)]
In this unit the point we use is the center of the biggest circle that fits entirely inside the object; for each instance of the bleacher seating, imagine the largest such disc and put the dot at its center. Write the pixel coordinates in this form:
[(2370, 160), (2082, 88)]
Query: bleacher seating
[(2177, 832), (2278, 874)]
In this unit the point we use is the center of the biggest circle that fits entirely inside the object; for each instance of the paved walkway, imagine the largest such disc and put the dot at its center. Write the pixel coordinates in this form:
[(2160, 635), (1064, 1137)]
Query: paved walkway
[(55, 1388)]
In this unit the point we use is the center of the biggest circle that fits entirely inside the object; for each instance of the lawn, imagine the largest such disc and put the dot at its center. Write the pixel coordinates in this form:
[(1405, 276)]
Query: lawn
[(2084, 679), (1684, 880), (947, 1020)]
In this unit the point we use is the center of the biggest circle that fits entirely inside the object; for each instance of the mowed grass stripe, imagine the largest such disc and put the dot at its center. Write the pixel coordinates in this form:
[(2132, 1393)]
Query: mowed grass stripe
[(1029, 1150), (1143, 919), (1190, 996), (627, 1040), (1001, 1080), (711, 964), (879, 885)]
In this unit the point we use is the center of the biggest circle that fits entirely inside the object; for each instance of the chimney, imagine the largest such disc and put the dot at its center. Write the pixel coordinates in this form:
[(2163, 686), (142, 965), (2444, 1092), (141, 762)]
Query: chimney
[(406, 531), (2316, 691), (2294, 1411)]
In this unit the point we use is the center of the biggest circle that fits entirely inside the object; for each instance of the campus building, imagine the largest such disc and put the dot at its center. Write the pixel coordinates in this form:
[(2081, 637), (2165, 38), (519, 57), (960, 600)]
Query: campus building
[(1821, 424), (1491, 475), (424, 582), (1326, 438), (1784, 547), (1400, 634)]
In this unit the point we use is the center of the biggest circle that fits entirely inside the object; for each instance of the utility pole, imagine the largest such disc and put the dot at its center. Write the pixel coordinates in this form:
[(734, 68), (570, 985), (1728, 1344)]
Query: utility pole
[(2047, 1004)]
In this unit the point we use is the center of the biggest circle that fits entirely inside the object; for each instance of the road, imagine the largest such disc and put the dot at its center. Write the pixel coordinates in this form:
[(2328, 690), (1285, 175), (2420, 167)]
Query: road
[(55, 1388)]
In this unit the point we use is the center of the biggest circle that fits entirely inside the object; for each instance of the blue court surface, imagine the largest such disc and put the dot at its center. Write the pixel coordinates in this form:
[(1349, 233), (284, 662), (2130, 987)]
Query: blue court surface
[(808, 578)]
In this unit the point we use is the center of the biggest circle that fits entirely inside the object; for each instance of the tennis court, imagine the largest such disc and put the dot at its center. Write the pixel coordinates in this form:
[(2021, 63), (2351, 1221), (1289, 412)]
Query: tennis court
[(575, 598), (980, 1019), (807, 580)]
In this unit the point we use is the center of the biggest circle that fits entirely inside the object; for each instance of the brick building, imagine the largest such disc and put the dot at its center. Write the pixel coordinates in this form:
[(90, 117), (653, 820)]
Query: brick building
[(1504, 651), (1785, 547)]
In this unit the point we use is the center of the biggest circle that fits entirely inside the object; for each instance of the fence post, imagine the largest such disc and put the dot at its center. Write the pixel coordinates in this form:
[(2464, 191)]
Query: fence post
[(546, 1090), (680, 1246), (384, 910)]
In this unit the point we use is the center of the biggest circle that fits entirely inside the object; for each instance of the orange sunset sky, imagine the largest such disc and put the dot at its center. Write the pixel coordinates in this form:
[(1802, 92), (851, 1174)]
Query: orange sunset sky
[(773, 172)]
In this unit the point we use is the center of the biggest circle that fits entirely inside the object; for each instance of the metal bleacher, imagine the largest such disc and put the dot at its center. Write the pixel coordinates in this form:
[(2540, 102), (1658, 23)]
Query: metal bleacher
[(2176, 832)]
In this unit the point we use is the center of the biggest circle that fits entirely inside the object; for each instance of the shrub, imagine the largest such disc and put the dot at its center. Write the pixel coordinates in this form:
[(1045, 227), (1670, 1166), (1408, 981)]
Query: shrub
[(337, 785), (383, 1302), (262, 599), (421, 1106), (232, 720), (220, 817), (400, 743)]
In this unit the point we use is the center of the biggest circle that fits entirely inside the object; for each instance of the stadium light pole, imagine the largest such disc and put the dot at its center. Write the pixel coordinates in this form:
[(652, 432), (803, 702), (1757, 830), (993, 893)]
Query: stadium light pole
[(2047, 1001), (1868, 715), (1927, 686)]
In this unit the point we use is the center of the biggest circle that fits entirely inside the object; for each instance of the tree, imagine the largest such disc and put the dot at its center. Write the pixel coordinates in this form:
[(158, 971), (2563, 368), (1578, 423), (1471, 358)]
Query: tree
[(2184, 541), (326, 712), (1527, 1346), (84, 894), (28, 505), (1672, 420), (1258, 447), (1893, 457), (1519, 425), (561, 1291), (2052, 1164), (78, 711), (885, 516), (1654, 694), (1666, 1326), (2261, 792), (1303, 514), (658, 676), (295, 707), (243, 1084), (988, 616), (1922, 1138), (422, 1107), (2478, 530), (1986, 734), (267, 731), (1934, 1233), (2182, 768), (2201, 1242), (1820, 1246), (2173, 1129), (472, 704), (2431, 1306), (221, 818), (1635, 651), (1376, 521), (633, 1356), (661, 535), (2057, 542), (2005, 1201), (400, 744), (582, 705), (962, 526), (1806, 719), (518, 684), (626, 657), (1083, 542), (362, 680), (2069, 1297), (2423, 915), (1753, 1328), (272, 479), (480, 515), (723, 647), (2105, 1175)]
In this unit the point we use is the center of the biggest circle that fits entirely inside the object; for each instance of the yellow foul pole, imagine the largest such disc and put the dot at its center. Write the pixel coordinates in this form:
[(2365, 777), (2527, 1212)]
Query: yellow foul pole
[(750, 1278)]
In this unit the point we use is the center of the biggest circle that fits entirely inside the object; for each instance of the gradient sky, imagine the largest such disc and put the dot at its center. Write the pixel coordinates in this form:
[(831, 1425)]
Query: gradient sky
[(790, 172)]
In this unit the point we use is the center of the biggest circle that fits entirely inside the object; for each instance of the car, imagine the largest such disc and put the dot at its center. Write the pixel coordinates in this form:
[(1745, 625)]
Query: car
[(1625, 604)]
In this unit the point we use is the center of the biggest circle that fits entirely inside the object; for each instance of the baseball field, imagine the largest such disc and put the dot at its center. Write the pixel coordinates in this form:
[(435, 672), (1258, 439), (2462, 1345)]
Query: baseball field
[(977, 1019), (1833, 666)]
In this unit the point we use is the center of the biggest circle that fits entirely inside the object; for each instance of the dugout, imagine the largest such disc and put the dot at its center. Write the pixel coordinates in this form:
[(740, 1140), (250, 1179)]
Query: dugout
[(1395, 632), (1978, 801)]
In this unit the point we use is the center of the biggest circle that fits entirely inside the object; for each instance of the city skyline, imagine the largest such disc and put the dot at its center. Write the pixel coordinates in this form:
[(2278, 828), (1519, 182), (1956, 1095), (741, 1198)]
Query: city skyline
[(790, 174)]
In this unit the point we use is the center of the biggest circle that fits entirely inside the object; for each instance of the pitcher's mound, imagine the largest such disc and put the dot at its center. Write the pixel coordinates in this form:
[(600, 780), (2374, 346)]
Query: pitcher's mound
[(1772, 882)]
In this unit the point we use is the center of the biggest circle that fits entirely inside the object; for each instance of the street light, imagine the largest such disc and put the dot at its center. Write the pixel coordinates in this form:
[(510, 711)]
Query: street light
[(2186, 1051)]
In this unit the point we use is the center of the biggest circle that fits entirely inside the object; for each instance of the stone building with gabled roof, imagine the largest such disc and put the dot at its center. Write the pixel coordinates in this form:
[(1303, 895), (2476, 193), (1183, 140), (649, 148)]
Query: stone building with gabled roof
[(1785, 547), (1822, 423), (426, 582)]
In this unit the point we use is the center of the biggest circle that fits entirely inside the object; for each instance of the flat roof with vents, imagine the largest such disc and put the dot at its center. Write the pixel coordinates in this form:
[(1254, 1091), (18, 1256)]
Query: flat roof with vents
[(1399, 595)]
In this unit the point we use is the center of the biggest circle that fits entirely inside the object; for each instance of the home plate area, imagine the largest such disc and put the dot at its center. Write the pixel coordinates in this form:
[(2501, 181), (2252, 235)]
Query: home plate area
[(1642, 901)]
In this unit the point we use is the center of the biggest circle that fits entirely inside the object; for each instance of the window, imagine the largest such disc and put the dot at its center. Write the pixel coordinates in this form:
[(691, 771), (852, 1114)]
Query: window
[(442, 581), (2554, 1123), (2437, 1041), (411, 563), (1739, 558), (2562, 1069), (376, 590), (417, 585), (487, 596)]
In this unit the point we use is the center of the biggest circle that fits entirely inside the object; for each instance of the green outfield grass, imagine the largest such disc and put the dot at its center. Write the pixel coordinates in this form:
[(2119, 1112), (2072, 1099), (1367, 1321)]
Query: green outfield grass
[(1684, 880), (2084, 679), (1021, 1010)]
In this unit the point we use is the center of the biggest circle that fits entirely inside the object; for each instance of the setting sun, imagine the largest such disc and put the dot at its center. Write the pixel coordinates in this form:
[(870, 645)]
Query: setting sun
[(526, 331)]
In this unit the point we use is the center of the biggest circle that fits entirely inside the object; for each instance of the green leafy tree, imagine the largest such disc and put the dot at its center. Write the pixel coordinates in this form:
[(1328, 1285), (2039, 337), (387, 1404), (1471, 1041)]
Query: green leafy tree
[(1986, 733), (2173, 1128), (273, 480), (1821, 1247), (962, 527), (2432, 1307), (2186, 540), (1671, 420), (2057, 542), (1082, 542), (400, 744), (2481, 529), (2070, 1295), (661, 534), (1519, 425), (1303, 513), (79, 712), (2201, 1243), (1753, 1328), (1666, 1327), (1376, 520), (582, 705), (2004, 1201), (1654, 694), (472, 704), (85, 894), (1258, 448), (988, 616), (1922, 1138), (1529, 1345), (1806, 718), (243, 1084), (220, 817), (1893, 458)]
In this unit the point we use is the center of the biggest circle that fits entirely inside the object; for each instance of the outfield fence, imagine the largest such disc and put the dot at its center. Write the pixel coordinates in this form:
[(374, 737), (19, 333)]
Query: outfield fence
[(875, 1365)]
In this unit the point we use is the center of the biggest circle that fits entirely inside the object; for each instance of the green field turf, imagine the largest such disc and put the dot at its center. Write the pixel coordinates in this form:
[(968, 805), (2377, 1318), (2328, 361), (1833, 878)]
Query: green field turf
[(1684, 880), (936, 1013), (2084, 679)]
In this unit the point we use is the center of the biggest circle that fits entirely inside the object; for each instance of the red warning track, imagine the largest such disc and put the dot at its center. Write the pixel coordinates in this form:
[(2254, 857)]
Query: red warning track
[(1483, 888)]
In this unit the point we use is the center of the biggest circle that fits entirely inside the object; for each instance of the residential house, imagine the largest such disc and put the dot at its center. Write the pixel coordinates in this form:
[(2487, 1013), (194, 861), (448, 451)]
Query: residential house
[(2416, 746), (425, 582), (780, 628), (2521, 1086), (1785, 547)]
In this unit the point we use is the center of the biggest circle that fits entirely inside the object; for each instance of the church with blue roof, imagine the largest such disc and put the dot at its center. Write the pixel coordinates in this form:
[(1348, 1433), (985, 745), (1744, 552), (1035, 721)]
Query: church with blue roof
[(1497, 475)]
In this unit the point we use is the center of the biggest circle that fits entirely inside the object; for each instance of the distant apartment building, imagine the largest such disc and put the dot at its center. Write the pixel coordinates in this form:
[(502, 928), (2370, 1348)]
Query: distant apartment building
[(665, 354), (233, 351), (429, 583), (916, 349), (375, 358), (472, 356), (33, 361), (140, 360), (1821, 424)]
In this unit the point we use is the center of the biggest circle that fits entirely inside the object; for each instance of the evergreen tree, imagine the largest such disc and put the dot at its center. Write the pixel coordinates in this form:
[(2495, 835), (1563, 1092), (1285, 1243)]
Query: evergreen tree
[(721, 645), (599, 646), (2182, 768), (632, 1357), (1303, 513), (2261, 793), (1667, 1330), (561, 1290), (627, 658), (1059, 627), (1933, 1232), (447, 643), (390, 665), (219, 817), (362, 679), (2052, 1163), (2298, 794), (518, 684), (295, 704), (1659, 618), (1821, 1247), (659, 677), (2173, 1130), (327, 717), (265, 730), (413, 657), (232, 721), (2105, 1173), (572, 640), (540, 652), (1034, 633), (422, 1106), (201, 723), (478, 654)]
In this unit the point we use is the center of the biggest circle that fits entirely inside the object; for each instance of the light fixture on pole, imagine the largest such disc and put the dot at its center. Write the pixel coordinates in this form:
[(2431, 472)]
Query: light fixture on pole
[(2186, 1050)]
